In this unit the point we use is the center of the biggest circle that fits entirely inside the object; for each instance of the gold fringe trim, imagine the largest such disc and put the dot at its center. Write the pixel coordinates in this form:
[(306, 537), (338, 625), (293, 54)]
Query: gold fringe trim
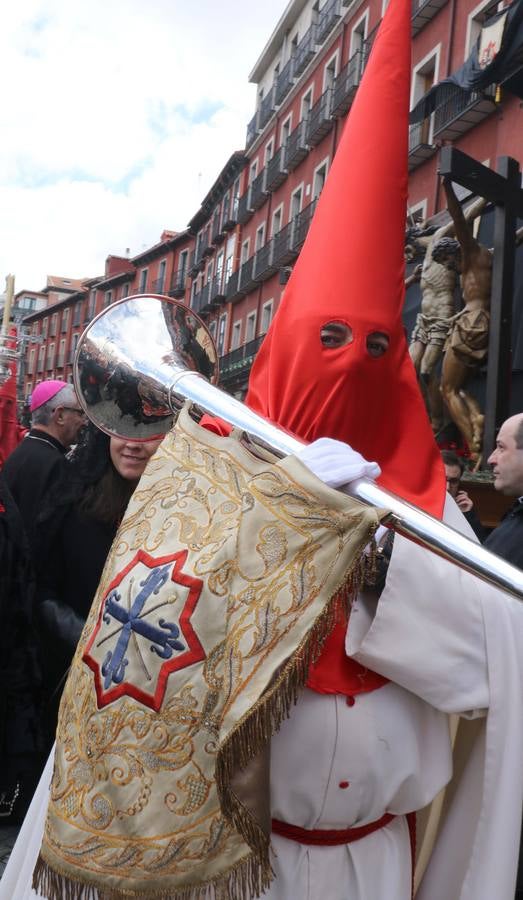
[(245, 880), (257, 727)]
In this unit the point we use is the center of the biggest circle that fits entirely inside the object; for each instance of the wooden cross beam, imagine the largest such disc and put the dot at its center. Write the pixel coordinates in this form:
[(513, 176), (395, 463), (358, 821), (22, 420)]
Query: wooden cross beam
[(503, 189)]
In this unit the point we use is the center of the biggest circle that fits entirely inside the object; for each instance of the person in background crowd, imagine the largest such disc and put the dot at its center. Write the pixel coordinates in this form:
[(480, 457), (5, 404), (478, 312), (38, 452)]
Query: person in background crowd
[(35, 466), (80, 520), (507, 539), (454, 468)]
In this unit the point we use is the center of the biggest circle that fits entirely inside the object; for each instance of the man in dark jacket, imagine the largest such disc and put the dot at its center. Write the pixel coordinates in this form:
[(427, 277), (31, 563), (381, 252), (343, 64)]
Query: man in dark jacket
[(38, 462), (507, 539)]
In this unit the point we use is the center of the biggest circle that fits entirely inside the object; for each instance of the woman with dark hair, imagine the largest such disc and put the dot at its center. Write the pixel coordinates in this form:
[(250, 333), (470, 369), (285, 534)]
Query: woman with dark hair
[(76, 529)]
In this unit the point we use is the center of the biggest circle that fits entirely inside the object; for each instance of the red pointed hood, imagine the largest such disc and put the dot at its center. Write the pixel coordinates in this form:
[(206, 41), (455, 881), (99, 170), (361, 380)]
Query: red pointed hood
[(10, 432), (351, 270)]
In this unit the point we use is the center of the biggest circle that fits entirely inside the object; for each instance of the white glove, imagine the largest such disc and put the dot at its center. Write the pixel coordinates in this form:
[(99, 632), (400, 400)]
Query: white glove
[(336, 463)]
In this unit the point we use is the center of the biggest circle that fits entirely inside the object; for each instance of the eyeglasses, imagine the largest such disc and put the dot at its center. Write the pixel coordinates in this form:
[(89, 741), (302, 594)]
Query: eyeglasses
[(75, 409)]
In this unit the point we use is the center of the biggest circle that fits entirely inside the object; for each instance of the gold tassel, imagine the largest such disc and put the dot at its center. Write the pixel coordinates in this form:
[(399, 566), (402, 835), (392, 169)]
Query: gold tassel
[(499, 94)]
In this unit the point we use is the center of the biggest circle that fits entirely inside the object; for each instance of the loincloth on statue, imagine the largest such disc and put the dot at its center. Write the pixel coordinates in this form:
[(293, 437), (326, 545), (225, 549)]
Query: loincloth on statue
[(468, 336), (431, 330)]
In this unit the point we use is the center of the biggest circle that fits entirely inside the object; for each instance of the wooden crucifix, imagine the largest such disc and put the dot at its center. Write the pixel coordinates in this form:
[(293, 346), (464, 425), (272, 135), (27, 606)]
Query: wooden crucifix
[(503, 189)]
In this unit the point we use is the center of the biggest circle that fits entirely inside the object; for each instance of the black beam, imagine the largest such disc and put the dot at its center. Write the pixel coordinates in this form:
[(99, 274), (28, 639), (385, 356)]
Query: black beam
[(499, 372), (476, 177)]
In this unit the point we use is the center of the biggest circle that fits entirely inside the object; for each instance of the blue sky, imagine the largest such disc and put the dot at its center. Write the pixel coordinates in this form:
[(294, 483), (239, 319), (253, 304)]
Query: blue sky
[(116, 118)]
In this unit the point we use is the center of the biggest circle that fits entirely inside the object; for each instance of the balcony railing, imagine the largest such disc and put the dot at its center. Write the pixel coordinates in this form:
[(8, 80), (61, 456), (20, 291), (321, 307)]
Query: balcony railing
[(246, 281), (420, 147), (264, 262), (245, 210), (366, 47), (297, 148), (177, 288), (301, 225), (327, 19), (284, 82), (423, 12), (230, 216), (283, 251), (252, 130), (258, 190), (267, 107), (305, 51), (232, 291), (217, 234), (346, 84), (320, 121), (276, 171), (158, 285), (217, 292), (239, 361), (460, 110), (200, 301)]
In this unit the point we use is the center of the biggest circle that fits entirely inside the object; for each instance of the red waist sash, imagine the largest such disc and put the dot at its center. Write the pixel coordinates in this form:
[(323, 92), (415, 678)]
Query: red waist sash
[(330, 838)]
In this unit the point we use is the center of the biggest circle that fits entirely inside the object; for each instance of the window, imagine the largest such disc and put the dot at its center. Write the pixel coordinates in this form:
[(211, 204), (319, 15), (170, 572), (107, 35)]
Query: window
[(45, 323), (330, 71), (236, 334), (260, 238), (108, 298), (229, 257), (475, 22), (266, 317), (358, 35), (125, 289), (182, 264), (269, 151), (295, 204), (285, 131), (222, 325), (65, 319), (61, 353), (31, 366), (161, 277), (277, 219), (41, 357), (417, 213), (245, 251), (250, 329), (143, 281), (219, 269), (424, 75), (50, 356), (320, 175), (253, 171), (306, 103), (92, 303), (212, 329)]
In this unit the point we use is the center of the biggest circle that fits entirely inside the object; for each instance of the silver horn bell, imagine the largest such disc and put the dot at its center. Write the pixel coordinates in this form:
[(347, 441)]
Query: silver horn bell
[(141, 358)]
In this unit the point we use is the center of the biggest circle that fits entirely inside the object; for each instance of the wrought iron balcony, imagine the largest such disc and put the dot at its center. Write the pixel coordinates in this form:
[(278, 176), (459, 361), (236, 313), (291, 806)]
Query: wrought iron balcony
[(195, 262), (301, 224), (177, 288), (283, 250), (423, 11), (267, 107), (264, 262), (346, 84), (230, 216), (217, 233), (158, 285), (460, 110), (239, 361), (320, 120), (276, 171), (232, 290), (246, 281), (258, 190), (367, 45), (420, 147), (217, 294), (252, 130), (305, 51), (245, 209), (327, 19), (284, 82), (200, 301), (297, 148)]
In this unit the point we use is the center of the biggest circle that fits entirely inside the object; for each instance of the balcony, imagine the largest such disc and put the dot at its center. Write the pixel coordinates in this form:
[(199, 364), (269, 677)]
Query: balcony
[(305, 51), (89, 314), (264, 262), (297, 148), (276, 171), (238, 362), (283, 251), (266, 109), (246, 280), (284, 82), (461, 110), (327, 19), (366, 47), (252, 130), (346, 85), (420, 147), (217, 292), (423, 11), (200, 301), (230, 216), (258, 191), (245, 210), (177, 288), (232, 291), (158, 285), (217, 234), (301, 224), (77, 317), (320, 121), (195, 262)]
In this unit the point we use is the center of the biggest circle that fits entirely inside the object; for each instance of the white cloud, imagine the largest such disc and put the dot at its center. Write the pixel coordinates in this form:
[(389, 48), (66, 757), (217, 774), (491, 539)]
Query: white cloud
[(117, 118)]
